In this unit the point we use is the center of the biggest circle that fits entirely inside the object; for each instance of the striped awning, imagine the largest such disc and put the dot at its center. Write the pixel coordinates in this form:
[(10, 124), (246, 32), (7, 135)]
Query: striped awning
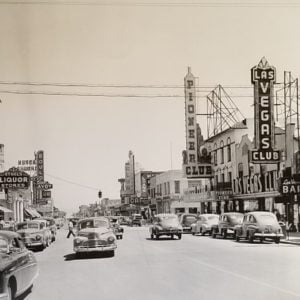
[(5, 210), (32, 212)]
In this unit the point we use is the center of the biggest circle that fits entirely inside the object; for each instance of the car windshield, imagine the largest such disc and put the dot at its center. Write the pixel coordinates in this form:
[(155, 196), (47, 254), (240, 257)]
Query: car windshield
[(27, 226), (3, 245), (169, 220), (236, 218), (93, 224), (268, 219)]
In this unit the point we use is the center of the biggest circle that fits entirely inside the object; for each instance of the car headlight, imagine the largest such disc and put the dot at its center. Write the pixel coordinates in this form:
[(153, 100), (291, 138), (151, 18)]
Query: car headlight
[(77, 242), (38, 237), (110, 239)]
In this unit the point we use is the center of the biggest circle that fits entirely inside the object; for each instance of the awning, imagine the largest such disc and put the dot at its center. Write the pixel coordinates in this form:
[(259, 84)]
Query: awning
[(32, 213), (5, 210)]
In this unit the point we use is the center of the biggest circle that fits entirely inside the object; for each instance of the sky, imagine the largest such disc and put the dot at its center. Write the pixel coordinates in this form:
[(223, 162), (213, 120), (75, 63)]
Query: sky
[(86, 139)]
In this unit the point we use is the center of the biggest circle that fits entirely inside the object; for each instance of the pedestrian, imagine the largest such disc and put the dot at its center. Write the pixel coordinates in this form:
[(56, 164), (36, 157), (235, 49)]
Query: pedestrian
[(71, 227), (2, 223)]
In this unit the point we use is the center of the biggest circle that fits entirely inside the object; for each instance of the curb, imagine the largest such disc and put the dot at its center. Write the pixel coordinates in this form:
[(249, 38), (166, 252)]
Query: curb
[(289, 242)]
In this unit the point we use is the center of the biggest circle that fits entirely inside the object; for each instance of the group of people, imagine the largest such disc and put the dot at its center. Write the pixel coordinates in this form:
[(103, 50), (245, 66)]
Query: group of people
[(4, 224)]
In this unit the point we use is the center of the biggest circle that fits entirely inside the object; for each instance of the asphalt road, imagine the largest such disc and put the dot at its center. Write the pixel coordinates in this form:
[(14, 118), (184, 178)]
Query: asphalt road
[(195, 267)]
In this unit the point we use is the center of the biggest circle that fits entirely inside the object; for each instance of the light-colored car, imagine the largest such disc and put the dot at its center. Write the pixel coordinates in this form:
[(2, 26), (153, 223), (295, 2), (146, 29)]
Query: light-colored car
[(95, 234), (259, 225), (118, 229), (18, 266), (204, 224), (165, 224), (34, 234), (50, 223)]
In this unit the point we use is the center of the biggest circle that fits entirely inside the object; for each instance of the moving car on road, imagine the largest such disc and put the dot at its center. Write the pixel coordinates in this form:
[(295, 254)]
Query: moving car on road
[(136, 219), (226, 224), (166, 224), (186, 221), (34, 234), (95, 235), (118, 230), (18, 266), (259, 225), (205, 223)]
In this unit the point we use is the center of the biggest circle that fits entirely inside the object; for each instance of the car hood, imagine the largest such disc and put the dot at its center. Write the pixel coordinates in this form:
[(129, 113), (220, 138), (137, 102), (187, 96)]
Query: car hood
[(100, 230)]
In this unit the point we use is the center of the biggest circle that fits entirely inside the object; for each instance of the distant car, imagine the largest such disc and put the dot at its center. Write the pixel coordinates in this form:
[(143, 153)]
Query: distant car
[(124, 220), (34, 234), (51, 225), (259, 225), (18, 266), (136, 219), (226, 224), (118, 230), (95, 234), (186, 221), (205, 223), (166, 224)]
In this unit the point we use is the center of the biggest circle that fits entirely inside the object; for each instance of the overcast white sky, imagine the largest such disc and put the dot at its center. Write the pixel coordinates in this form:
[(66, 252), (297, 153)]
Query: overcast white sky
[(86, 139)]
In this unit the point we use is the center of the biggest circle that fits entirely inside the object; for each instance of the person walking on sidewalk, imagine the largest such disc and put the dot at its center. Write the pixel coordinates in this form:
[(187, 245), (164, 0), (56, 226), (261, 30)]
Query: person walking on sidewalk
[(71, 227)]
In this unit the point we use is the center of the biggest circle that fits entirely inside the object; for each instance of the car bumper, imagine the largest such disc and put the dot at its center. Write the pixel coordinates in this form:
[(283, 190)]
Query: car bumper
[(268, 235), (3, 297), (95, 249), (161, 232), (33, 244), (187, 229)]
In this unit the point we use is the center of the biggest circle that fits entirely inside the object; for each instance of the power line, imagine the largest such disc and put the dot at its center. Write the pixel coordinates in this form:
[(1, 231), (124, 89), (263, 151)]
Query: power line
[(157, 4), (72, 182)]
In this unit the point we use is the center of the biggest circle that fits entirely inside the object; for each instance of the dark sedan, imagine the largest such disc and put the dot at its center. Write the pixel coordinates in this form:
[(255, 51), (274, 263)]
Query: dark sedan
[(18, 266)]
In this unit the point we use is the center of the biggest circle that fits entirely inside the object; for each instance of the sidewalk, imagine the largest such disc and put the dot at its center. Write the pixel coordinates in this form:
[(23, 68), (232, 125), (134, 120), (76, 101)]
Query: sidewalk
[(292, 238)]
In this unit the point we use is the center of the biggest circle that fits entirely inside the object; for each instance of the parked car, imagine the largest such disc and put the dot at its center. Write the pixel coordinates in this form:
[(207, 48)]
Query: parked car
[(186, 221), (34, 234), (226, 224), (118, 230), (204, 224), (166, 224), (95, 234), (259, 225), (51, 225), (136, 219), (18, 266)]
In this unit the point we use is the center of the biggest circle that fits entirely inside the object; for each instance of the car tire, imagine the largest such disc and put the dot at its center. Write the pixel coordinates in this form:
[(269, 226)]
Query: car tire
[(11, 292), (261, 240), (179, 236), (78, 255), (152, 236), (157, 236), (213, 234), (237, 238), (277, 240), (224, 234), (193, 233), (250, 237), (121, 237), (202, 232)]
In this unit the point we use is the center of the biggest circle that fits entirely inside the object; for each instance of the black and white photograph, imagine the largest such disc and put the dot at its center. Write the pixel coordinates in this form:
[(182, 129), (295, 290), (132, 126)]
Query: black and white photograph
[(149, 150)]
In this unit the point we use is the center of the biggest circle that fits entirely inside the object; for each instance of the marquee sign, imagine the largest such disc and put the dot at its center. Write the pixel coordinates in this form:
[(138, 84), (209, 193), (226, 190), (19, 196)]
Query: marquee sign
[(14, 178), (40, 165), (290, 185), (192, 168), (263, 77)]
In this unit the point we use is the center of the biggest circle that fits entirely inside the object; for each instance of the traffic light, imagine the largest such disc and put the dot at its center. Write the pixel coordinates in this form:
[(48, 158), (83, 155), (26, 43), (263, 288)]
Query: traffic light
[(100, 194)]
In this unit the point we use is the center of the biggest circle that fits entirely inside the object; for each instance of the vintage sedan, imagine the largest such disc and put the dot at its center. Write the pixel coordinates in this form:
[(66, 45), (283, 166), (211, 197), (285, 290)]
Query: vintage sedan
[(118, 230), (205, 223), (51, 225), (18, 266), (166, 224), (34, 234), (186, 221), (259, 225), (95, 234), (226, 224)]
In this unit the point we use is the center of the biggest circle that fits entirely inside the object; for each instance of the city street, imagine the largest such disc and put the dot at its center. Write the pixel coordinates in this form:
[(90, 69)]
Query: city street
[(195, 267)]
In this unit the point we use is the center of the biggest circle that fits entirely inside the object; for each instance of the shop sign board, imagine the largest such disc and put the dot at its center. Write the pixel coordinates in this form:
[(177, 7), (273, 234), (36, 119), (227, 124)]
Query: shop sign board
[(28, 165), (192, 168), (40, 165), (263, 77), (289, 186), (46, 194), (14, 178), (44, 185)]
